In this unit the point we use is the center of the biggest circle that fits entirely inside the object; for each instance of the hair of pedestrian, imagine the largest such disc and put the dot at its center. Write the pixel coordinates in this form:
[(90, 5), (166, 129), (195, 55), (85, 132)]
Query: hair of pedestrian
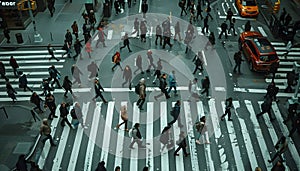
[(136, 125), (117, 168)]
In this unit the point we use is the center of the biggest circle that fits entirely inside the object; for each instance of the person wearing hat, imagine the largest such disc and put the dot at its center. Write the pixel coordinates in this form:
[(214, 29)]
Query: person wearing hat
[(142, 94), (45, 130), (98, 91)]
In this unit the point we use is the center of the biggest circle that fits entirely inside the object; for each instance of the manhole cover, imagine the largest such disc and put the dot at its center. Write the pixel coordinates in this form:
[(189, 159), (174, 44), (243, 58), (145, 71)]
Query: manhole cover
[(22, 148)]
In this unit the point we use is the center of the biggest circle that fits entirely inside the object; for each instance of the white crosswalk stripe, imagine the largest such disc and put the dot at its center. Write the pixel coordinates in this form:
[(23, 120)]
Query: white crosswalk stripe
[(225, 133)]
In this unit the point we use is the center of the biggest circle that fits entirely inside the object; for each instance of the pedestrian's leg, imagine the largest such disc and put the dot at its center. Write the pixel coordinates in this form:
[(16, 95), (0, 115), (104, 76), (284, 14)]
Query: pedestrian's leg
[(179, 121), (51, 140), (229, 115), (176, 151), (292, 131), (101, 96), (184, 151)]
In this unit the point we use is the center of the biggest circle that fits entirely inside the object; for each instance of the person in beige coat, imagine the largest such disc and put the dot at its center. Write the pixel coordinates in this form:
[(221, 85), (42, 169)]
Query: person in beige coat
[(124, 117), (45, 130), (142, 94)]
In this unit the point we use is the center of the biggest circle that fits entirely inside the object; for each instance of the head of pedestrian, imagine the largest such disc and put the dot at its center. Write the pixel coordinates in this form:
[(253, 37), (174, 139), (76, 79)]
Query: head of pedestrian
[(203, 119), (145, 168), (142, 80), (230, 98), (45, 121), (195, 80), (178, 103), (257, 169), (181, 134), (136, 125), (117, 168), (63, 104), (68, 30), (164, 76), (77, 104), (149, 52)]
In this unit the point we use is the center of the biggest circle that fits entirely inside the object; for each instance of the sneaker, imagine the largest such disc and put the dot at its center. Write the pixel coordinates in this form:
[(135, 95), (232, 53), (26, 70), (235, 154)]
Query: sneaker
[(187, 154), (229, 119), (176, 154), (118, 126), (131, 147)]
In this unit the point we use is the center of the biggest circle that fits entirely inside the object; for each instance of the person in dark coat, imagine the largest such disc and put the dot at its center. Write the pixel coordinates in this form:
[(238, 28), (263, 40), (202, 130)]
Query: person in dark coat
[(55, 75), (176, 114), (13, 63), (199, 10), (51, 8), (127, 75), (117, 7), (142, 94), (278, 167), (136, 27), (6, 34), (266, 108), (272, 91), (143, 29), (51, 52), (2, 71), (167, 38), (68, 37), (208, 10), (205, 25), (76, 72), (205, 85), (165, 137), (157, 72), (98, 91), (77, 48), (150, 61), (101, 37), (177, 31), (138, 63), (21, 163), (238, 60), (45, 130), (75, 29), (291, 78), (136, 137), (125, 42), (211, 41), (224, 27), (248, 26), (181, 4), (282, 16), (144, 8), (67, 85), (64, 112), (295, 125), (181, 145), (35, 99), (46, 88), (93, 68), (67, 48), (50, 102), (23, 83), (229, 15), (34, 167), (228, 107), (292, 112), (287, 20), (198, 61), (163, 87), (11, 92), (158, 34), (101, 166)]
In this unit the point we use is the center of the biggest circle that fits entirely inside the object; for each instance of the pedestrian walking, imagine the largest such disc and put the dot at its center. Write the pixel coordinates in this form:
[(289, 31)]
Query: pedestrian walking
[(68, 37), (229, 15), (3, 71), (157, 72), (45, 86), (211, 41), (125, 39), (21, 164), (231, 26), (193, 89), (88, 48), (295, 125), (124, 117), (101, 37), (272, 91), (55, 75), (138, 63), (278, 166), (172, 83), (64, 112), (177, 31), (228, 108), (163, 87), (201, 128), (23, 83), (175, 113), (122, 4), (199, 11), (93, 69), (116, 59), (74, 27), (117, 7), (144, 8), (143, 29), (292, 112), (248, 26), (158, 34), (127, 75), (98, 90), (224, 27), (92, 19), (208, 10), (136, 137), (136, 27), (198, 61), (150, 61), (273, 69), (181, 4), (187, 40), (282, 16), (205, 25), (77, 48), (51, 8), (188, 4), (101, 166), (167, 38), (142, 93), (76, 72), (281, 146), (238, 61), (192, 9), (51, 52), (86, 31), (13, 63), (129, 3), (11, 92), (50, 103), (288, 49), (77, 116), (6, 34), (67, 85), (205, 86), (45, 130), (266, 108), (181, 145), (166, 138), (287, 20), (67, 48), (35, 99)]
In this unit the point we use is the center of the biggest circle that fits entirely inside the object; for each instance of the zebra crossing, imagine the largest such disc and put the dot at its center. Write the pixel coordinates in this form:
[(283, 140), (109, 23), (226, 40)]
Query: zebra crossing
[(243, 144), (33, 63)]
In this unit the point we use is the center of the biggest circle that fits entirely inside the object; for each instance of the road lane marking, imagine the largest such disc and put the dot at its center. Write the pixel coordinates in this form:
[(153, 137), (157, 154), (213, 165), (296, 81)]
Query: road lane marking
[(149, 136), (164, 162)]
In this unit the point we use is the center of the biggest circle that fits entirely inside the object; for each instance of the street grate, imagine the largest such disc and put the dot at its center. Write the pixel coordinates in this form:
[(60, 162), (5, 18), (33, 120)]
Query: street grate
[(22, 148)]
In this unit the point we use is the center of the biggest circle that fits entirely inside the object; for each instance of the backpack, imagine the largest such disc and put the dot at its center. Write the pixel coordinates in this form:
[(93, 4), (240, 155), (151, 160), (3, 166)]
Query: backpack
[(73, 114), (137, 88)]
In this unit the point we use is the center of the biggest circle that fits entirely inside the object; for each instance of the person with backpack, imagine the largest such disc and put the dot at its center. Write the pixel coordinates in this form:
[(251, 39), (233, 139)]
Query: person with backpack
[(51, 52), (266, 108), (163, 87), (181, 4), (136, 137), (67, 85), (228, 107), (166, 138), (205, 86), (98, 90), (55, 75), (77, 116), (141, 89), (198, 61), (125, 42), (175, 113), (124, 117), (116, 59), (201, 128), (181, 145), (238, 60), (13, 63), (64, 112), (172, 83), (23, 82)]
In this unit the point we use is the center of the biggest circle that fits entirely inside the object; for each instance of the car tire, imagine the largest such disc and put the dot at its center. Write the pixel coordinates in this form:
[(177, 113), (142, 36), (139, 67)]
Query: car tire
[(251, 66)]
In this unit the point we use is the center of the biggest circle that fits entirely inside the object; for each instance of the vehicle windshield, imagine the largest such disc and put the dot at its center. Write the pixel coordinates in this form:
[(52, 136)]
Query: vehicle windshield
[(248, 3), (263, 45), (268, 58)]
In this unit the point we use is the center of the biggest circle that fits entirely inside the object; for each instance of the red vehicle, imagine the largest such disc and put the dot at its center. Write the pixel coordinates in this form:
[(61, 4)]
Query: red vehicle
[(258, 51)]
